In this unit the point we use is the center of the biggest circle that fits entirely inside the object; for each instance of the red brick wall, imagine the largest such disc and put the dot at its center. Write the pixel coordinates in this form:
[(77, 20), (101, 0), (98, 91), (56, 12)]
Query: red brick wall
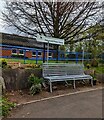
[(29, 54), (9, 52), (6, 52)]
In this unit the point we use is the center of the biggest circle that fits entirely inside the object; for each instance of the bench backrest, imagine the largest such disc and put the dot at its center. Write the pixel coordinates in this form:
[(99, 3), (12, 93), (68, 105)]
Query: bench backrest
[(60, 69)]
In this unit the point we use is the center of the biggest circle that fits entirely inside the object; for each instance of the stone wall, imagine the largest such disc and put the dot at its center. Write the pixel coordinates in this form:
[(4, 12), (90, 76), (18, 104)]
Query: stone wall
[(100, 77), (17, 79)]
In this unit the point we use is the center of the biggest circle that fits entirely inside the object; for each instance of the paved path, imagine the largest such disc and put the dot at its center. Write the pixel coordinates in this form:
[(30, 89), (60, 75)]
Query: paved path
[(83, 105)]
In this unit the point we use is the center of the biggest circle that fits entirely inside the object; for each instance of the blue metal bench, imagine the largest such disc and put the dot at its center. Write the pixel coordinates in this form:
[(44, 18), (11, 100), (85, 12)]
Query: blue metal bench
[(54, 72)]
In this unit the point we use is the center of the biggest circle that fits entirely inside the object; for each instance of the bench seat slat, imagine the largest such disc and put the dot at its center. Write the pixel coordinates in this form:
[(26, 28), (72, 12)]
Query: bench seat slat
[(70, 77)]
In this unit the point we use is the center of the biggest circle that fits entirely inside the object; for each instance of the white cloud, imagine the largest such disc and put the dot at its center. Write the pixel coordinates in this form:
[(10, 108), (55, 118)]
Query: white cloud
[(1, 21), (3, 27)]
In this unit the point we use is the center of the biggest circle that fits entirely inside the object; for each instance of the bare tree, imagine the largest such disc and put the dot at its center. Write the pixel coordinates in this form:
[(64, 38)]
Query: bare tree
[(57, 19)]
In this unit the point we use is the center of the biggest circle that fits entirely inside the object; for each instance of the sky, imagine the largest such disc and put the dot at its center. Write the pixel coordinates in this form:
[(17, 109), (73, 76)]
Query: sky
[(3, 27), (1, 9)]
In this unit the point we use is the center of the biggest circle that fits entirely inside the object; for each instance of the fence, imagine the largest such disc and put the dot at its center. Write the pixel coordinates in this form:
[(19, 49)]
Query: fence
[(25, 53)]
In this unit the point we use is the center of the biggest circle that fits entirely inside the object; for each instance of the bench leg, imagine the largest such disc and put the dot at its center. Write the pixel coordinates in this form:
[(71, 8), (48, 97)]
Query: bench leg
[(74, 84), (92, 82), (51, 87)]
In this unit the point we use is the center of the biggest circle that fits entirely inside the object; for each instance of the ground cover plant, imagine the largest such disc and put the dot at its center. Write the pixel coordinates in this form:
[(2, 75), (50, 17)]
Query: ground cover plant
[(3, 63), (6, 106), (35, 84)]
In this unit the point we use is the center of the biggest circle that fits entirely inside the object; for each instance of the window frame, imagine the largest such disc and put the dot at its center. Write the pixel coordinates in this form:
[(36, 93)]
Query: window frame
[(39, 54), (50, 56), (21, 53), (33, 55), (14, 53)]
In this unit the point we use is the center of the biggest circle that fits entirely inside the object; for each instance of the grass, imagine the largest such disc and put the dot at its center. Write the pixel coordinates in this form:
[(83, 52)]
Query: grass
[(21, 61), (34, 61), (99, 69)]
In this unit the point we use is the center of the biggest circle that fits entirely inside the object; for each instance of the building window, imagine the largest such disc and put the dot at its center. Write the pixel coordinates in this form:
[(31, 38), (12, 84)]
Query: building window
[(39, 53), (14, 51), (34, 54), (50, 55), (21, 52), (27, 50)]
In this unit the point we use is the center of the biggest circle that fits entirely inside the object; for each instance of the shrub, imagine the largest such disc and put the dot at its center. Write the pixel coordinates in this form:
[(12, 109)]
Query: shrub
[(36, 66), (35, 84), (88, 66), (94, 63), (86, 63), (3, 63), (35, 89), (101, 61), (33, 66), (67, 61), (6, 106)]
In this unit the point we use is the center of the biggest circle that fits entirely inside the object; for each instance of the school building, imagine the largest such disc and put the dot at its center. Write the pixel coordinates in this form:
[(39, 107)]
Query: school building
[(12, 45)]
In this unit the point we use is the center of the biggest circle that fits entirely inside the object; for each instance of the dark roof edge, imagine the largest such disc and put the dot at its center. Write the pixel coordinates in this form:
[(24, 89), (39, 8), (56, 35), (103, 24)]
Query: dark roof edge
[(16, 35)]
